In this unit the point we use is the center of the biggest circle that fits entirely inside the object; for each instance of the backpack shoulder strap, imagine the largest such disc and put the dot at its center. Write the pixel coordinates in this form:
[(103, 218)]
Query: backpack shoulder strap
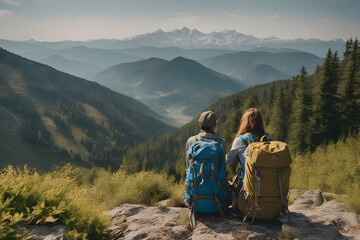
[(218, 139), (247, 138), (213, 137)]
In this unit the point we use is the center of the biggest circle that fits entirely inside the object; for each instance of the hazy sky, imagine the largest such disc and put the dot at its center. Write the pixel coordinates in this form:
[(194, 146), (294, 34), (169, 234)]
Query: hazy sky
[(51, 20)]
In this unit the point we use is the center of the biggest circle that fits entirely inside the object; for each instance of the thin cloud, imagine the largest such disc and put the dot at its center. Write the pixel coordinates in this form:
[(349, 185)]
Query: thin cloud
[(11, 2), (273, 17), (184, 17), (238, 16), (234, 15), (182, 14), (5, 13)]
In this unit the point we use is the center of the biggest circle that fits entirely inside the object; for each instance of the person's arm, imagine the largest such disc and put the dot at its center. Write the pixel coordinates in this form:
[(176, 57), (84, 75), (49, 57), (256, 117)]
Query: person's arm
[(222, 162), (187, 146), (237, 149), (223, 145)]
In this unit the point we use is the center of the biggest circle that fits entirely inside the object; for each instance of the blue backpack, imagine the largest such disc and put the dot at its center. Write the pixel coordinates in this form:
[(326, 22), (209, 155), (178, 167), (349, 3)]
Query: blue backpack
[(206, 183)]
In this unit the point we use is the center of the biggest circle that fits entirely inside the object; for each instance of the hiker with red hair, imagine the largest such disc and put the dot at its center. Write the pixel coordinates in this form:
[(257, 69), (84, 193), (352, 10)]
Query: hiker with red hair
[(251, 129)]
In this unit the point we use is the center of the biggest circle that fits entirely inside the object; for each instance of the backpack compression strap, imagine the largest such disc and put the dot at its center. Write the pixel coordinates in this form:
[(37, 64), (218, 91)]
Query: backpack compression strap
[(193, 207), (281, 176), (257, 191)]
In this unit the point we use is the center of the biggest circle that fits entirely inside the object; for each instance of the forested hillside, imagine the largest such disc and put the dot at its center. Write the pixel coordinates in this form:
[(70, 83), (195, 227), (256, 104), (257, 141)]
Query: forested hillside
[(306, 112), (48, 117)]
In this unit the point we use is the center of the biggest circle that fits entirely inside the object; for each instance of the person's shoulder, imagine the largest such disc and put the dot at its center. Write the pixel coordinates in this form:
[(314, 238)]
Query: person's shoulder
[(239, 140), (191, 140)]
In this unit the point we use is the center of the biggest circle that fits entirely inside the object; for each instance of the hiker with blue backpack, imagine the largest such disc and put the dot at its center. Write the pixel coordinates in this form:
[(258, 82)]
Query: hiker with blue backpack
[(261, 184), (207, 189), (208, 124)]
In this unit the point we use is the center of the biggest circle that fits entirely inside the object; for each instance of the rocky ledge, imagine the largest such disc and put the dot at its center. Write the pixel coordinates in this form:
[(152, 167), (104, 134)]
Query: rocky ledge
[(310, 217)]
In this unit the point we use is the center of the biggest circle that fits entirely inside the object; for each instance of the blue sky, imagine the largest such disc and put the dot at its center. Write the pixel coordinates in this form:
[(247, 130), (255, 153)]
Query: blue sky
[(53, 20)]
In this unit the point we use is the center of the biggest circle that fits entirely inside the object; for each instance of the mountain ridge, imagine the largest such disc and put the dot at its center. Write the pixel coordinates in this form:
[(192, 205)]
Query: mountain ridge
[(228, 39), (66, 118), (73, 67)]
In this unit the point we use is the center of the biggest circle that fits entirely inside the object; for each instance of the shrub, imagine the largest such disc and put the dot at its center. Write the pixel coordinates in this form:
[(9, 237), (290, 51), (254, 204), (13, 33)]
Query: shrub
[(75, 198)]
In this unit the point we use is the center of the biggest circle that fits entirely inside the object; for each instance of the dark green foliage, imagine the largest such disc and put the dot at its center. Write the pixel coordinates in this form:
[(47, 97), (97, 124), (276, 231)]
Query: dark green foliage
[(325, 107), (63, 127), (20, 105), (278, 121), (35, 134), (349, 89), (298, 139)]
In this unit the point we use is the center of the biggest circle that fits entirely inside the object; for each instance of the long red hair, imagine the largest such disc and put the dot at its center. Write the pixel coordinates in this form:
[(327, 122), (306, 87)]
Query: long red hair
[(251, 121)]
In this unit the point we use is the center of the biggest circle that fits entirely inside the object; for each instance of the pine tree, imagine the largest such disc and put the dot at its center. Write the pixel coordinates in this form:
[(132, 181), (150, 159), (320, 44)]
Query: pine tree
[(299, 120), (325, 112), (348, 48), (334, 128), (349, 89), (130, 162), (145, 164), (278, 127)]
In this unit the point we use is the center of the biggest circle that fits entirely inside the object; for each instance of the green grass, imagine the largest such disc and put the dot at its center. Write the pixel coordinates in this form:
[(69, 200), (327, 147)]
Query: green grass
[(75, 198), (332, 168)]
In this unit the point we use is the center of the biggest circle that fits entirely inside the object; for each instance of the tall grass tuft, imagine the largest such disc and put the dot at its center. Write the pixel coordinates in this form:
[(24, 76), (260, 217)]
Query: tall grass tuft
[(332, 168)]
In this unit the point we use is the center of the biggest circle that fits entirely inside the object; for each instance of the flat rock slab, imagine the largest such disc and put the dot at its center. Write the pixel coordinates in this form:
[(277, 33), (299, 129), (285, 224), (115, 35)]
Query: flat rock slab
[(139, 222), (41, 232), (311, 217)]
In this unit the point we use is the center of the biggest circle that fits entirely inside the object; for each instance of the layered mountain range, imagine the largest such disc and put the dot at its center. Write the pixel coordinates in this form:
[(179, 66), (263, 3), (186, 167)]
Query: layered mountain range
[(177, 89), (157, 68), (185, 38)]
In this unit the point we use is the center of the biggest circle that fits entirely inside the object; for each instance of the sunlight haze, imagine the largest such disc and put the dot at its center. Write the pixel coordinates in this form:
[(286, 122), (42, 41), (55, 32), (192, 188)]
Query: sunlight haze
[(81, 20)]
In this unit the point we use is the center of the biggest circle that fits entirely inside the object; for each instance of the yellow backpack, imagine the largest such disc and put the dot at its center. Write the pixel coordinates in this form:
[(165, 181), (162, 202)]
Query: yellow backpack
[(266, 180)]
